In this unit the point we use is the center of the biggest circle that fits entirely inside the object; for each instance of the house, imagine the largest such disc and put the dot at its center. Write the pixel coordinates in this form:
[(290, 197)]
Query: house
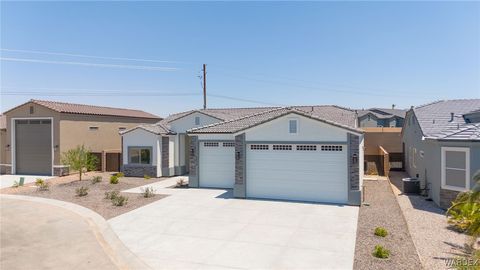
[(378, 117), (304, 153), (442, 146), (38, 132)]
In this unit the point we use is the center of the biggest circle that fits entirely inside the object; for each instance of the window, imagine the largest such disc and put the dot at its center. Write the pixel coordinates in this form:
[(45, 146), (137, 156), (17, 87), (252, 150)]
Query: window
[(293, 126), (228, 144), (93, 128), (139, 155), (282, 147), (455, 168), (332, 148), (414, 157), (31, 110), (259, 147), (210, 144), (197, 120), (306, 148)]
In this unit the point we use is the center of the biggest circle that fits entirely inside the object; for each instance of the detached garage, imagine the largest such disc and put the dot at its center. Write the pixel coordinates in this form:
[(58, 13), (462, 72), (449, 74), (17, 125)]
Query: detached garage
[(285, 154)]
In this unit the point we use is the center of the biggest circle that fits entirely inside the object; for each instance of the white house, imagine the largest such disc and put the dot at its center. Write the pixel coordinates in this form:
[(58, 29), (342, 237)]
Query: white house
[(295, 153)]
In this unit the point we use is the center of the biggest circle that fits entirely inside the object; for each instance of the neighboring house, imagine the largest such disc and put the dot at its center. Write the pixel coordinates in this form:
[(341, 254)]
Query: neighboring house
[(378, 117), (3, 142), (38, 132), (312, 153), (442, 146)]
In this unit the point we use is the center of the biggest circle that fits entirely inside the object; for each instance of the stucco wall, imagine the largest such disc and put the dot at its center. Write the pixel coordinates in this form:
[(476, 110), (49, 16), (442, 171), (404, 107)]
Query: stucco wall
[(3, 146), (183, 124), (140, 137), (308, 130), (364, 121)]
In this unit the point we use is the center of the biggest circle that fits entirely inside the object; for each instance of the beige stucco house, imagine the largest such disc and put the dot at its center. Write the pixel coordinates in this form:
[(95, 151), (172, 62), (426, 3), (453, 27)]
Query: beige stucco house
[(38, 132)]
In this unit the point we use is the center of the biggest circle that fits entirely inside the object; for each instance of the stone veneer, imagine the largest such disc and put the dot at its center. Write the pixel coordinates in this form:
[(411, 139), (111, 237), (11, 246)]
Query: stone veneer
[(5, 169), (446, 197), (61, 170), (165, 156), (239, 190), (139, 170), (354, 193), (193, 162)]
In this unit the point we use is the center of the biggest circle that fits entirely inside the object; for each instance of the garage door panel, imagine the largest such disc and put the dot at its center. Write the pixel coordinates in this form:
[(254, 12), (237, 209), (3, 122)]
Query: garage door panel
[(33, 147), (319, 176), (217, 165)]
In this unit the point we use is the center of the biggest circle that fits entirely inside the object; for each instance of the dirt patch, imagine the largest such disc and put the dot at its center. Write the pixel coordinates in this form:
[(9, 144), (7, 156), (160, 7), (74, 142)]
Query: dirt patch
[(63, 188), (383, 211)]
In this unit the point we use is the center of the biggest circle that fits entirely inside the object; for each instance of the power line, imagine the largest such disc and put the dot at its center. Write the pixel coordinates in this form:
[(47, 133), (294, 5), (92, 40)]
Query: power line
[(94, 56), (88, 64)]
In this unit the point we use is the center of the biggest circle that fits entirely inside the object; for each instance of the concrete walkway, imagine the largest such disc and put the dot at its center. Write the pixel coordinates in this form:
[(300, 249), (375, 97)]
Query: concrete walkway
[(209, 229), (428, 227), (39, 233)]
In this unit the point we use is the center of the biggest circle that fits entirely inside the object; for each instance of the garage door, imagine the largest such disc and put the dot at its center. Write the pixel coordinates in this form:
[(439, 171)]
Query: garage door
[(303, 172), (33, 147), (217, 164)]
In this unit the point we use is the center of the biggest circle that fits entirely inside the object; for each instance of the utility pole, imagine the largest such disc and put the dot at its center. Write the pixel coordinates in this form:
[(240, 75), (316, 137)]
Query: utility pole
[(204, 86)]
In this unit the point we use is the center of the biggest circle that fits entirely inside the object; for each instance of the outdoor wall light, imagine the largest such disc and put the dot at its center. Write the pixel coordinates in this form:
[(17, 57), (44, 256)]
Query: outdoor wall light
[(192, 151), (237, 155), (354, 158)]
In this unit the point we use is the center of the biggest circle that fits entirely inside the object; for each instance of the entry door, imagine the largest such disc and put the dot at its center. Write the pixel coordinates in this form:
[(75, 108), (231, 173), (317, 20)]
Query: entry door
[(302, 172), (217, 164), (33, 147)]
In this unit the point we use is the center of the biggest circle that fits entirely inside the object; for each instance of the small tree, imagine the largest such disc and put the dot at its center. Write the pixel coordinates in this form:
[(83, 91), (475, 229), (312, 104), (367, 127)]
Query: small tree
[(80, 159)]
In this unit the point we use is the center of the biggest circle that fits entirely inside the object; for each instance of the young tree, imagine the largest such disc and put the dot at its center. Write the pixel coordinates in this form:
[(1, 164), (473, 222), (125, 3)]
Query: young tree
[(79, 159)]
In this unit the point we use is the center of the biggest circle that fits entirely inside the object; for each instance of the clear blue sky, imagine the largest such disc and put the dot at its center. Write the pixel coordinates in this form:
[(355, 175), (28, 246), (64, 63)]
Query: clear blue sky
[(352, 54)]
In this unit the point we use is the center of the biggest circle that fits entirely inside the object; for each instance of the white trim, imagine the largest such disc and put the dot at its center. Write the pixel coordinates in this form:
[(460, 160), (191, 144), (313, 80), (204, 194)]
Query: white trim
[(467, 167), (13, 142)]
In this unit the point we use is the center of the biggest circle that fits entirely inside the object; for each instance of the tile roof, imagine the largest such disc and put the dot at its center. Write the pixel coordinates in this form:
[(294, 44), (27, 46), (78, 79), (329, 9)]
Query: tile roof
[(72, 108), (435, 118), (383, 113), (465, 132), (157, 128), (330, 113), (333, 115), (3, 121)]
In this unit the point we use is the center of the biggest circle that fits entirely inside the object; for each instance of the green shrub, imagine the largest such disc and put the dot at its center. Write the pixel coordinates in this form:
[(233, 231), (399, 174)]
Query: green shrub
[(380, 231), (181, 182), (81, 191), (147, 177), (381, 252), (114, 179), (110, 195), (96, 179), (42, 185), (120, 174), (148, 192), (119, 200)]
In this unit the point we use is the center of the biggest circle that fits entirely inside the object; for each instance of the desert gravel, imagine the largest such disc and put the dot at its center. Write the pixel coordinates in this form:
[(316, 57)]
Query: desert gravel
[(63, 188), (383, 211), (428, 226)]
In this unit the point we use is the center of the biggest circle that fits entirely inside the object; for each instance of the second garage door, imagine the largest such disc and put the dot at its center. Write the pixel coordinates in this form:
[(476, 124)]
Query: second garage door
[(303, 172), (33, 147), (217, 164)]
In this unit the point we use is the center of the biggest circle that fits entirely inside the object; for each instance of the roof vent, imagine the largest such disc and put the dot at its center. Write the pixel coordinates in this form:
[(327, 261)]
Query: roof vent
[(393, 106), (451, 116)]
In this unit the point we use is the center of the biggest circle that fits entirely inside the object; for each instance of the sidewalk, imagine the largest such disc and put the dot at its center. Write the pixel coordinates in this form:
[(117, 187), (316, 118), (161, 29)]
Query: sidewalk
[(40, 233)]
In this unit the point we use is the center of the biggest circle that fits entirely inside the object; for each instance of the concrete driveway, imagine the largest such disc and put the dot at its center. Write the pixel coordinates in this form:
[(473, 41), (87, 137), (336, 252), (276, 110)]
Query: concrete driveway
[(208, 229), (8, 179)]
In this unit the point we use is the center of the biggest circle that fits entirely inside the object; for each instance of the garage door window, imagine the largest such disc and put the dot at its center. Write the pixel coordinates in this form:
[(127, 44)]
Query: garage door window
[(259, 147), (282, 147), (139, 155), (332, 148), (306, 148), (228, 144), (455, 168), (210, 144)]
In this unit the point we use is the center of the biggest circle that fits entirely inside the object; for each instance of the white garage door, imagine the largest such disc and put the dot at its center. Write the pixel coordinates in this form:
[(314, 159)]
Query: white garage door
[(217, 164), (300, 172)]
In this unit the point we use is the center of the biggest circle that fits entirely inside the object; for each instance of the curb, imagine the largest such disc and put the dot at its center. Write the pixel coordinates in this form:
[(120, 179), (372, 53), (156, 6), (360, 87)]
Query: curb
[(118, 253)]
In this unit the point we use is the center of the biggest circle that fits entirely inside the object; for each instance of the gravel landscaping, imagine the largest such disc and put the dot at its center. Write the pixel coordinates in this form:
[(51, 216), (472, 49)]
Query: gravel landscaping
[(428, 226), (383, 211), (63, 188)]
